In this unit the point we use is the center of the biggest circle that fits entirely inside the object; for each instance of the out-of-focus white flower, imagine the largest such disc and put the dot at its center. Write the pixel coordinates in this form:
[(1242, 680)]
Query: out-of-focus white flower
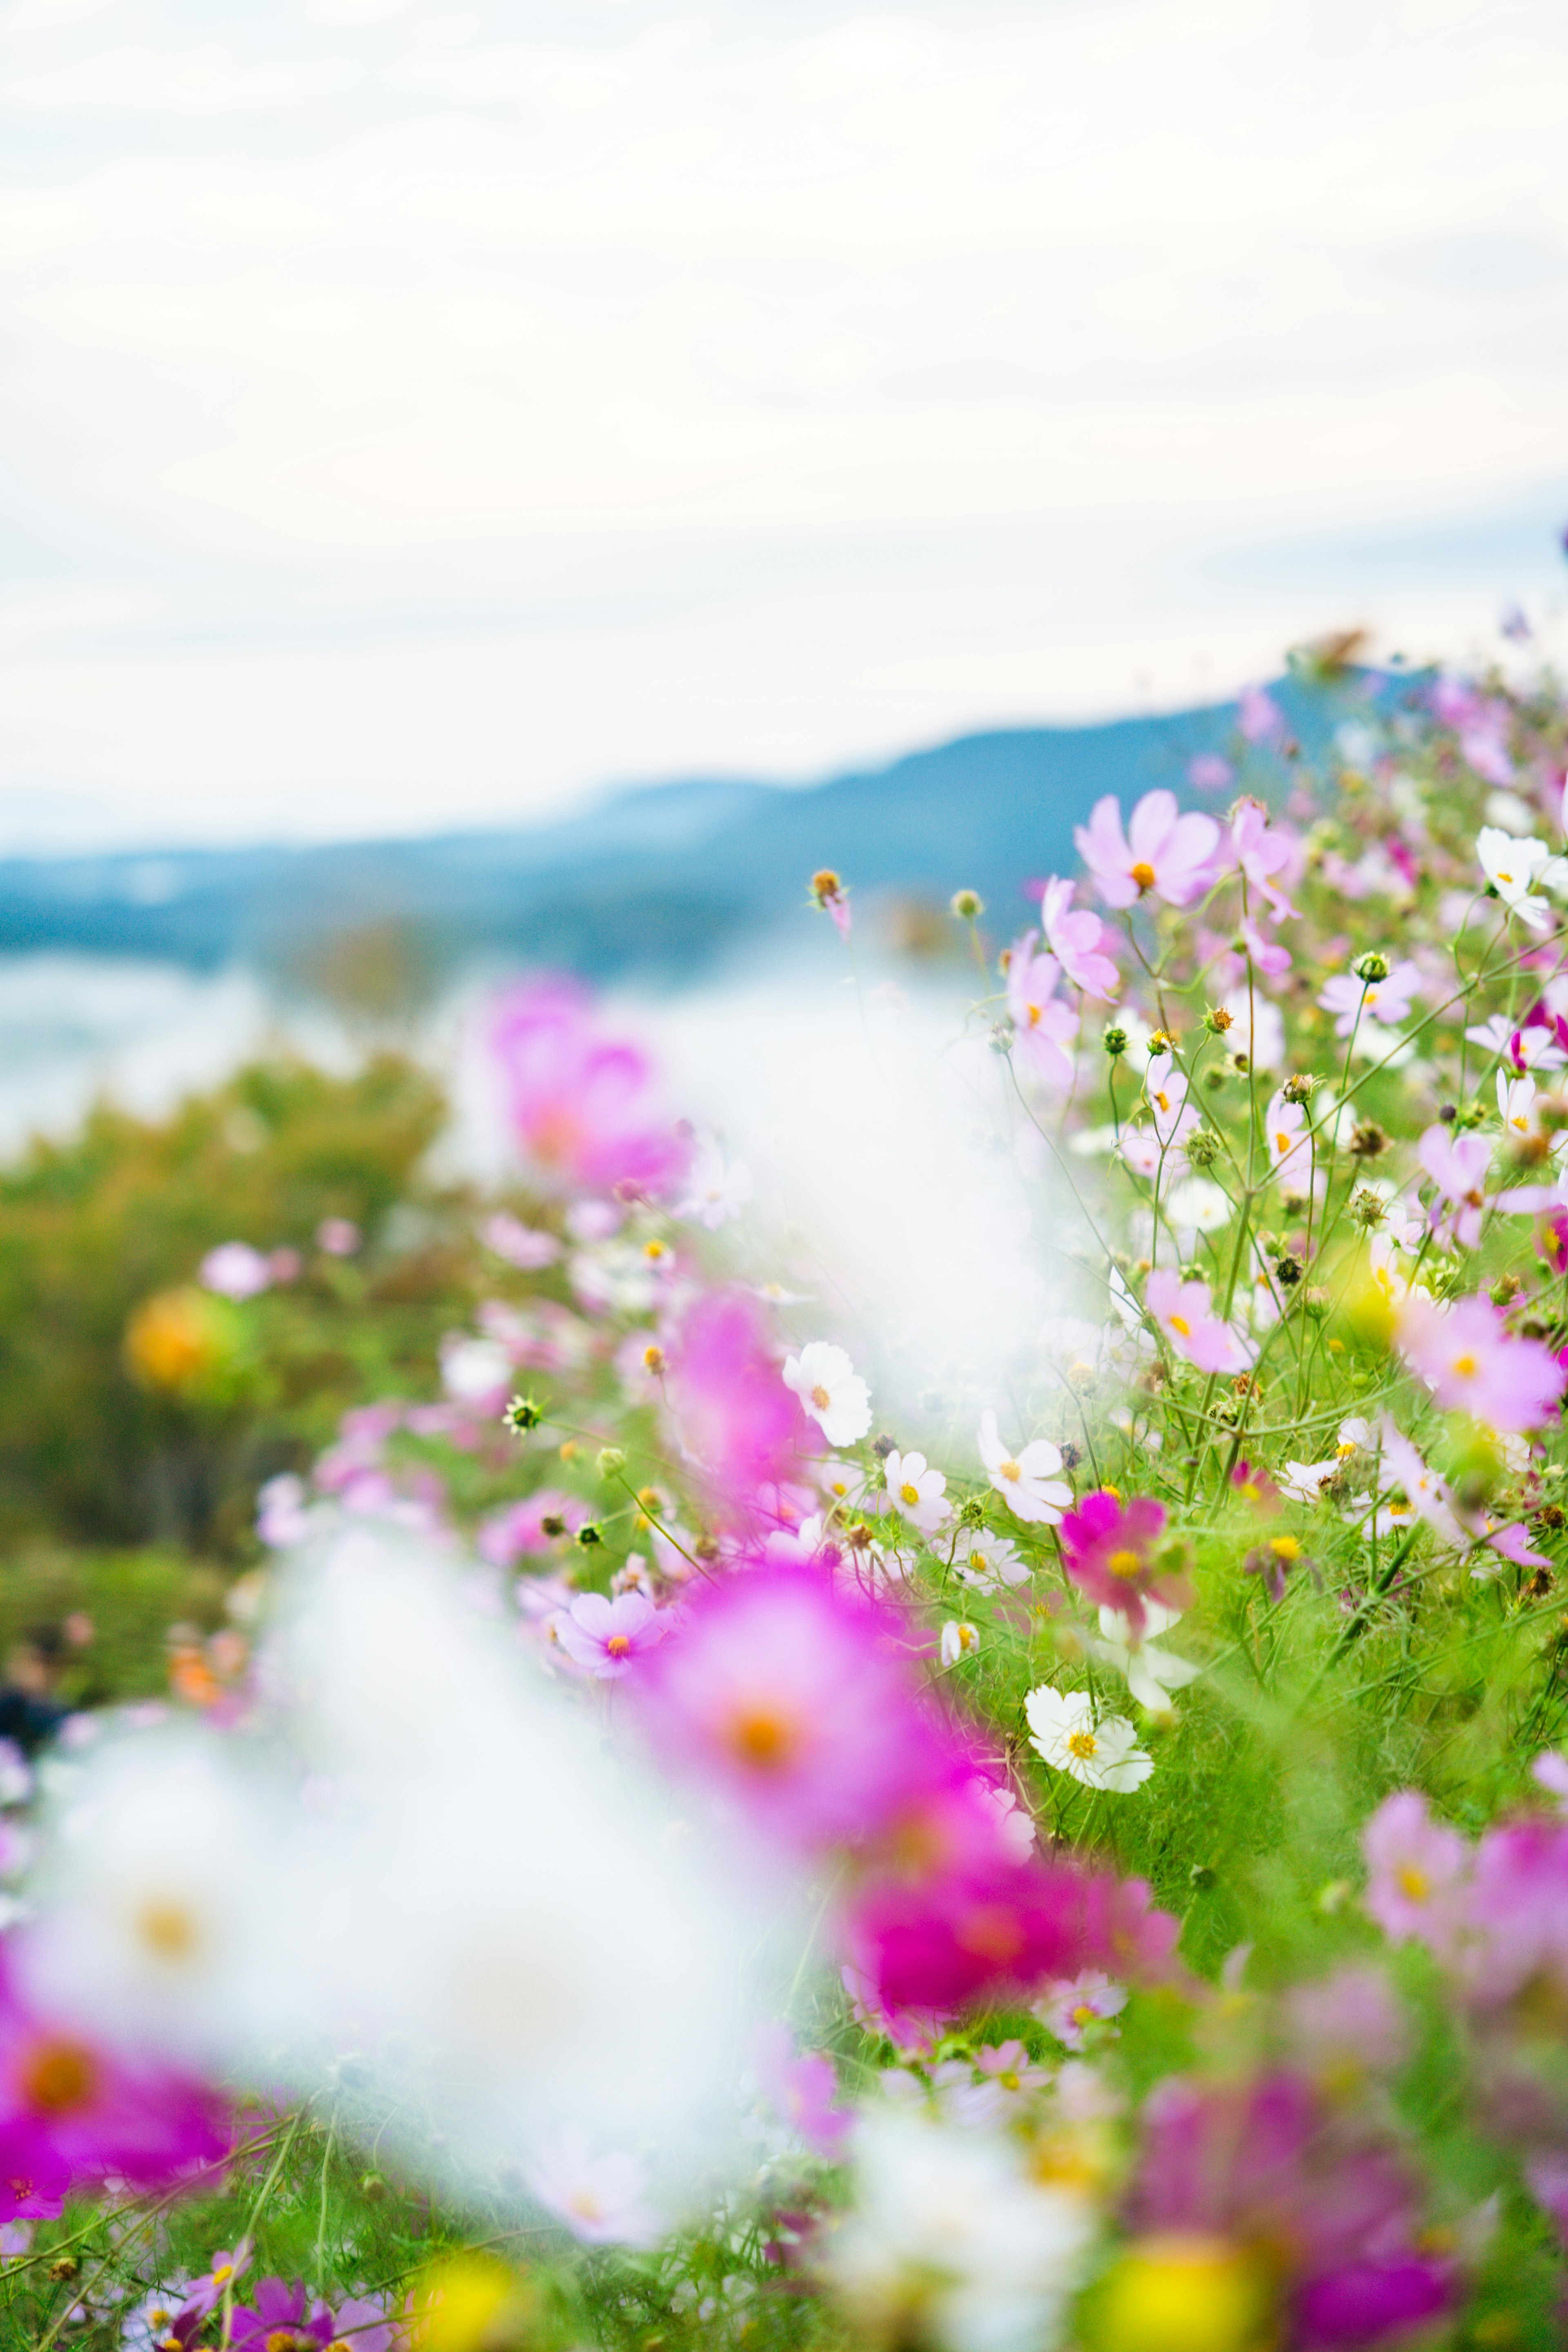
[(1027, 1481), (916, 1491), (475, 1372), (950, 2242), (1017, 1830), (1103, 1754), (831, 1389), (958, 1641), (618, 1277), (603, 2199), (1150, 1673), (1257, 1027), (1198, 1206), (715, 1191), (1518, 870), (988, 1562)]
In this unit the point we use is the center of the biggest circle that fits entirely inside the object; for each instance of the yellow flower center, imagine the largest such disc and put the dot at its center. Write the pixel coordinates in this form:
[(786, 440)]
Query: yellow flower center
[(1008, 2079), (1283, 1141), (1285, 1547), (167, 1929), (1083, 2014), (1124, 1563), (1080, 1744), (764, 1739), (617, 1645), (1142, 874), (820, 1398), (909, 1493), (1413, 1882), (1009, 1469), (1180, 1323), (1465, 1366)]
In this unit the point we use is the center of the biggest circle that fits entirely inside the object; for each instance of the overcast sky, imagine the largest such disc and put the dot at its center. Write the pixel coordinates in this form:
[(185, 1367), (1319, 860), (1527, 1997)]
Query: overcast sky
[(417, 413)]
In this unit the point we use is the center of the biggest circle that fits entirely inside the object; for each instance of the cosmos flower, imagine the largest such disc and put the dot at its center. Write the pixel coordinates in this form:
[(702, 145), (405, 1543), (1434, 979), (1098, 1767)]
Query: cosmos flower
[(716, 1190), (1165, 1088), (988, 1562), (278, 2320), (525, 1246), (235, 1270), (958, 1641), (1162, 852), (1289, 1145), (734, 1415), (1151, 1673), (917, 1491), (1262, 853), (583, 1104), (608, 1637), (1103, 1754), (1109, 1551), (1027, 1481), (1044, 1026), (805, 2090), (529, 1529), (831, 1391), (1182, 1312), (1354, 1001), (1418, 1874), (1069, 2009), (1471, 1364), (1077, 938), (601, 2197), (1514, 868)]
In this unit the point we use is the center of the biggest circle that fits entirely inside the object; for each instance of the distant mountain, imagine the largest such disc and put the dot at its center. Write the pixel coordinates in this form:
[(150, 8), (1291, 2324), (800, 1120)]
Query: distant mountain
[(659, 880)]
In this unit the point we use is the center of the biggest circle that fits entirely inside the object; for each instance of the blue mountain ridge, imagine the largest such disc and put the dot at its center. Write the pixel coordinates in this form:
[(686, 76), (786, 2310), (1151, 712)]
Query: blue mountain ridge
[(657, 881)]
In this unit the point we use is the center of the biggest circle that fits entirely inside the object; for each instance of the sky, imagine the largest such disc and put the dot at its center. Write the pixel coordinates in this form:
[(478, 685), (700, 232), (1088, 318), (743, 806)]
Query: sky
[(419, 415)]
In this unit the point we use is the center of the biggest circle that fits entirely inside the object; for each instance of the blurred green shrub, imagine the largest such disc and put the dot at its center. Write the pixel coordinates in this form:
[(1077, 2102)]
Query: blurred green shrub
[(92, 1230)]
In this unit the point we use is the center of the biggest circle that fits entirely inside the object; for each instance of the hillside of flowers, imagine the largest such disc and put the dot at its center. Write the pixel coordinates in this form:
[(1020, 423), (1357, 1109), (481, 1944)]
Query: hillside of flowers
[(933, 1718)]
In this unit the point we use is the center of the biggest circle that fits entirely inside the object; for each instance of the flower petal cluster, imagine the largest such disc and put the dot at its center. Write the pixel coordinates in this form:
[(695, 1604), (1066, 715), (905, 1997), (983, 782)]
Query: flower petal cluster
[(1173, 857)]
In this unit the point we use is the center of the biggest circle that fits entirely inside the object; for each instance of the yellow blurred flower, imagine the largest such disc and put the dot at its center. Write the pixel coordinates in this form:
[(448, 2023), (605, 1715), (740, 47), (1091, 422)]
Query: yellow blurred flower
[(175, 1339), (1182, 2294), (472, 2303)]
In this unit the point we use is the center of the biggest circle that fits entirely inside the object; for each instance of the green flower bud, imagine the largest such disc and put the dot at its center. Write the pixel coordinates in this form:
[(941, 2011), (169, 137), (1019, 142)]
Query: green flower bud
[(1116, 1042), (609, 1461), (522, 1415), (1370, 968), (966, 905)]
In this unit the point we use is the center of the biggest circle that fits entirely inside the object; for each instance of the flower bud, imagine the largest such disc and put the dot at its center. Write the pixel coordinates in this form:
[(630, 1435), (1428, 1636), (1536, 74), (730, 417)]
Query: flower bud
[(1298, 1088), (589, 1537), (609, 1460), (1217, 1020), (1368, 1141), (967, 905), (1116, 1042), (1371, 967), (1203, 1149), (522, 1415)]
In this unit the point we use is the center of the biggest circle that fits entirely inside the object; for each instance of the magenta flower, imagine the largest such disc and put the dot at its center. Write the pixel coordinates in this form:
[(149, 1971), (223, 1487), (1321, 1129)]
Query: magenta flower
[(1175, 856), (1108, 1551), (1457, 1165), (67, 2105), (1044, 1026), (1471, 1364), (1077, 938), (277, 2321), (529, 1527), (734, 1414), (1418, 1882), (583, 1104), (1261, 853), (936, 1943), (608, 1637), (791, 1698), (206, 2293), (1182, 1312)]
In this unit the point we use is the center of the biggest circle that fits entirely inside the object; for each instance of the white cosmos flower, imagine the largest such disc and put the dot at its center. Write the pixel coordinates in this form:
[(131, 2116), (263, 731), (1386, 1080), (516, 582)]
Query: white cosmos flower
[(1198, 1206), (1027, 1481), (831, 1389), (958, 1641), (988, 1562), (1103, 1754), (602, 2199), (1515, 868), (715, 1191), (1150, 1673), (917, 1490), (949, 2240)]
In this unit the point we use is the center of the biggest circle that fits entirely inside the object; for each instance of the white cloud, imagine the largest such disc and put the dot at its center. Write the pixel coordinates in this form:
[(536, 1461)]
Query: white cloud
[(413, 416)]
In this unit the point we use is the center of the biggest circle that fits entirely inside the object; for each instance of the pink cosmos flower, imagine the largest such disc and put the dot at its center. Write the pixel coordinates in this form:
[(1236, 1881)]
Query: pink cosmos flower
[(527, 1246), (1355, 1000), (1044, 1026), (1470, 1363), (1069, 2009), (1418, 1874), (1175, 856), (583, 1104), (521, 1529), (1182, 1312), (791, 1697), (1271, 959), (608, 1637), (1166, 1088), (937, 1942), (805, 2090), (601, 2197), (338, 1236), (1108, 1548), (735, 1416), (1428, 1492), (1457, 1165), (1261, 853), (1077, 938), (1286, 1134), (235, 1270), (1208, 772), (1258, 716), (277, 2322)]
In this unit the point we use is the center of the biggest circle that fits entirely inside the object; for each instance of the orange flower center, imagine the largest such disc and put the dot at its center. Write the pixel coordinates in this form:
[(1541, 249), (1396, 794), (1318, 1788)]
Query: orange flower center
[(1082, 1744), (1180, 1323), (820, 1398), (57, 2075), (617, 1645), (1124, 1563), (764, 1739), (1142, 874)]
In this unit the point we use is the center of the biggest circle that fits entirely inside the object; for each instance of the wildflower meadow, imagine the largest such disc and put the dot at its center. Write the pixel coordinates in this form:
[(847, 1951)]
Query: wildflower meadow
[(935, 1716)]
